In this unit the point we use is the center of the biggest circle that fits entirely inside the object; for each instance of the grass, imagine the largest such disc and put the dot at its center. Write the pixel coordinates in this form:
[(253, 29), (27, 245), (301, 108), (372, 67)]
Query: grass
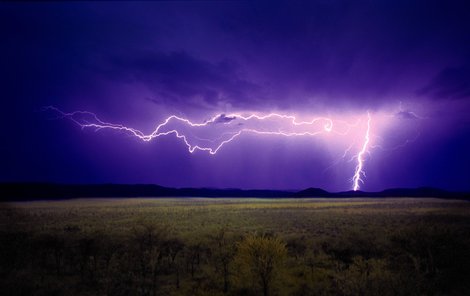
[(203, 215), (340, 235)]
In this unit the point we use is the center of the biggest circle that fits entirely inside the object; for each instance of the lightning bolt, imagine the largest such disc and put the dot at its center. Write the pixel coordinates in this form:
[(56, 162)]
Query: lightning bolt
[(359, 172), (313, 127)]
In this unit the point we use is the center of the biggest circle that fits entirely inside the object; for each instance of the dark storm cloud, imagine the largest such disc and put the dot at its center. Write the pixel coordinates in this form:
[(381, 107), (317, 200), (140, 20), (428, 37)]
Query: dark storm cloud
[(343, 53), (180, 78), (452, 83), (257, 55), (222, 118)]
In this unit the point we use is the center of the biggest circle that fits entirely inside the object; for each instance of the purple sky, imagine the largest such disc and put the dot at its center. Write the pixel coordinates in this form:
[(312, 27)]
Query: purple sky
[(406, 62)]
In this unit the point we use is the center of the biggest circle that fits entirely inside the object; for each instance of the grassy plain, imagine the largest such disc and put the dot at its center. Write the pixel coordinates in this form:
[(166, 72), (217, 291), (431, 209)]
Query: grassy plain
[(193, 246)]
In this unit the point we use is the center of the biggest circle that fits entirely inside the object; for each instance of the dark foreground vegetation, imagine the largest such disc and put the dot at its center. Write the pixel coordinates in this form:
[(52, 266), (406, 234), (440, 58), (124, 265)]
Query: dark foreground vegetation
[(235, 247)]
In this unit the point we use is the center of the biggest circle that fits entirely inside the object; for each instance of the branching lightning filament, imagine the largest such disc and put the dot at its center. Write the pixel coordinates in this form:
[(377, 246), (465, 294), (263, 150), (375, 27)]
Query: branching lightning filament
[(359, 173), (215, 133)]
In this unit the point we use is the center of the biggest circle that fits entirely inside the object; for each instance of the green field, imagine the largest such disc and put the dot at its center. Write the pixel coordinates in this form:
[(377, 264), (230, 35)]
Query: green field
[(201, 246)]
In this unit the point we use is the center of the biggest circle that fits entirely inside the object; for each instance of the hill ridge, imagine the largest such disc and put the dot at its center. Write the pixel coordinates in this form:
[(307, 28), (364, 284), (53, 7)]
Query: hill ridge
[(51, 191)]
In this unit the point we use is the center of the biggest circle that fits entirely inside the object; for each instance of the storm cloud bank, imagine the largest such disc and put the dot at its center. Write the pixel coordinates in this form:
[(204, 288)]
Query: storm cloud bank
[(137, 63)]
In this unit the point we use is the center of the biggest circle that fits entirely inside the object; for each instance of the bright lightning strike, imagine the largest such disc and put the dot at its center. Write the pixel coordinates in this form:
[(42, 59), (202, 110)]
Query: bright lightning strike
[(359, 172), (233, 125)]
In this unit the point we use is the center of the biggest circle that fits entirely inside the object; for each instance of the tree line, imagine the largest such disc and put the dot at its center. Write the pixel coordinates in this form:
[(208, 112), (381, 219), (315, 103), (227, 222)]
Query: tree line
[(150, 260)]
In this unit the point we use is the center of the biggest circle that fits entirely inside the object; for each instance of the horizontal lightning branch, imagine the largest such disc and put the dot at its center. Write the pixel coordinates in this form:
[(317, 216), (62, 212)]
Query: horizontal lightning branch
[(232, 125)]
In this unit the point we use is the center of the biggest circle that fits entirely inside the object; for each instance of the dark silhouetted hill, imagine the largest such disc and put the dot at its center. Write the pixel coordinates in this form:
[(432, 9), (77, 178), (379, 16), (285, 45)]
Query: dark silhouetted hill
[(393, 192), (49, 191), (312, 192)]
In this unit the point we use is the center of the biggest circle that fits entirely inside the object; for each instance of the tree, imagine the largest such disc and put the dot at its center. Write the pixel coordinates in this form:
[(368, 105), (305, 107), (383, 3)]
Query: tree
[(148, 247), (260, 257), (172, 248), (223, 251)]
